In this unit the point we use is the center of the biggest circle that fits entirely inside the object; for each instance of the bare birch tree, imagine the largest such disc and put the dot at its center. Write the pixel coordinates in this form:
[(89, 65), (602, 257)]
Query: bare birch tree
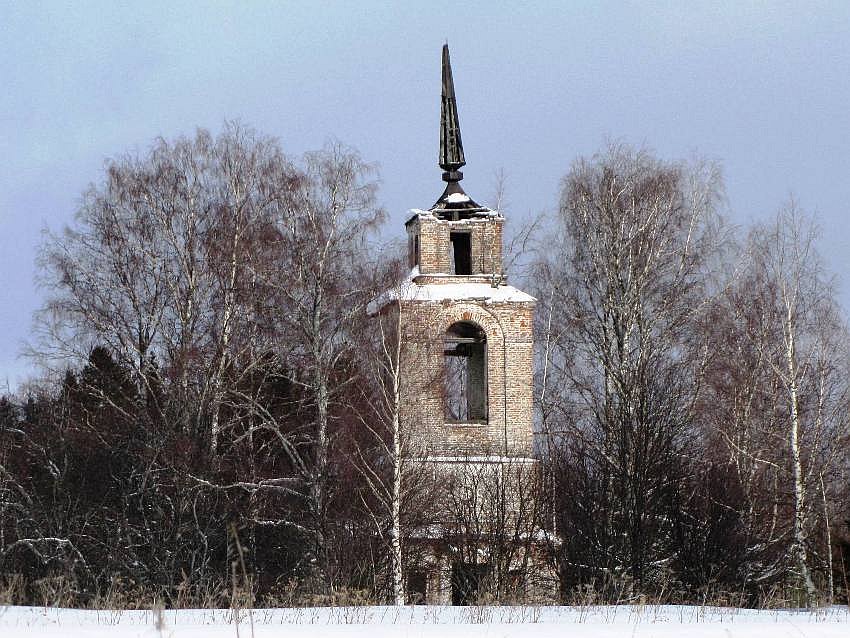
[(619, 293), (801, 340), (314, 298), (215, 269), (157, 267), (385, 458)]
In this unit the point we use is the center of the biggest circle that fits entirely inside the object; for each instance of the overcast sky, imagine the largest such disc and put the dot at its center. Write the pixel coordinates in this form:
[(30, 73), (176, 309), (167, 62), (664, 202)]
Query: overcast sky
[(764, 88)]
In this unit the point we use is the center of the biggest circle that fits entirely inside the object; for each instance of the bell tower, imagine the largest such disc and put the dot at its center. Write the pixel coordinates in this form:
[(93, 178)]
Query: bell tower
[(465, 387), (467, 370)]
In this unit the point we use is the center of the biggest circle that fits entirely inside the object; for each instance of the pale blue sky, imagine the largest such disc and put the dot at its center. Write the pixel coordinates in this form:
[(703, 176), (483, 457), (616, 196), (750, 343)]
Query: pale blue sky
[(762, 87)]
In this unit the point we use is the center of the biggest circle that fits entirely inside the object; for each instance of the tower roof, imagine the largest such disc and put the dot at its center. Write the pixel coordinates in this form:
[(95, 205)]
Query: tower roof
[(454, 202)]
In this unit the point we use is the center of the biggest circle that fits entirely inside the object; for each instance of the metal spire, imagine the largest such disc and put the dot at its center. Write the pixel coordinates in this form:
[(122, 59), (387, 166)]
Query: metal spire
[(451, 146), (453, 203)]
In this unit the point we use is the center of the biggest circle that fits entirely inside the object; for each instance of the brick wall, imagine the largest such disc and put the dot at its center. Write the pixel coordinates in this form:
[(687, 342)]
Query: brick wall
[(435, 247), (508, 429)]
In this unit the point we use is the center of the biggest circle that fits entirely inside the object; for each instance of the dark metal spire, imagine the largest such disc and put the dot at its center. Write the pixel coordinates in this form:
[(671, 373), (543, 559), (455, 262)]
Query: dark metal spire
[(453, 203), (451, 146)]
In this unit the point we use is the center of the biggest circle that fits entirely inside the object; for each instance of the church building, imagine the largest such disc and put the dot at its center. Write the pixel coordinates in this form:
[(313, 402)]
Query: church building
[(466, 391)]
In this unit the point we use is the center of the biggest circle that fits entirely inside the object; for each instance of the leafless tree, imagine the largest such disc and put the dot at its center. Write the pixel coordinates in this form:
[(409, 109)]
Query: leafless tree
[(620, 289), (779, 398), (314, 296), (159, 267), (494, 521), (224, 277), (398, 492), (383, 461)]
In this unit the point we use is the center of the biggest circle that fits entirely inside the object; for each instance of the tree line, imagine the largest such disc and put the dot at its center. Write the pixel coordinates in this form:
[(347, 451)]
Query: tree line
[(218, 410), (693, 389)]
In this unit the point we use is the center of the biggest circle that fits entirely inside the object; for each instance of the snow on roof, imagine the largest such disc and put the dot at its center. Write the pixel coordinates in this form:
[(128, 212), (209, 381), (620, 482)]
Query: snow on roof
[(492, 458), (409, 290), (457, 198), (479, 215), (444, 531), (463, 291)]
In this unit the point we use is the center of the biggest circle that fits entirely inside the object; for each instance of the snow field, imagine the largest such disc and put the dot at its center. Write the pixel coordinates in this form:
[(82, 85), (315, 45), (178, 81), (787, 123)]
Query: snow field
[(644, 621)]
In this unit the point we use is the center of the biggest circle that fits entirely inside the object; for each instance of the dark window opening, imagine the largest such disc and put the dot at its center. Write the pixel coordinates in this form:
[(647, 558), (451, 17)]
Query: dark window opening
[(461, 253), (468, 583), (413, 250), (416, 585), (465, 354)]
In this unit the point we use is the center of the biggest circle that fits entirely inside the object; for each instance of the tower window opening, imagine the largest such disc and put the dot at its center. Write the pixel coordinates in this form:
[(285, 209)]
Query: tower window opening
[(413, 250), (461, 253), (465, 353)]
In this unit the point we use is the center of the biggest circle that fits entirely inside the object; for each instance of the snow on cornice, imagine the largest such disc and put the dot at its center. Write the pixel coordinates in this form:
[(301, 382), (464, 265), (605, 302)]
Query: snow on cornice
[(451, 290), (478, 216), (492, 458)]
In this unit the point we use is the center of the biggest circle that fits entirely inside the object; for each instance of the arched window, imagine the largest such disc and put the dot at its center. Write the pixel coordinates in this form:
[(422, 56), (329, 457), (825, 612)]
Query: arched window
[(465, 353)]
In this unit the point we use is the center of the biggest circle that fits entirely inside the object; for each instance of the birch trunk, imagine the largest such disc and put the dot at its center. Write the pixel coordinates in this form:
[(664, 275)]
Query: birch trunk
[(798, 546), (395, 542)]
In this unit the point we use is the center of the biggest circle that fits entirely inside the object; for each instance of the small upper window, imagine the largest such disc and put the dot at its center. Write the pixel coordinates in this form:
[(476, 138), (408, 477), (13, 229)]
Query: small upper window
[(461, 253), (413, 250)]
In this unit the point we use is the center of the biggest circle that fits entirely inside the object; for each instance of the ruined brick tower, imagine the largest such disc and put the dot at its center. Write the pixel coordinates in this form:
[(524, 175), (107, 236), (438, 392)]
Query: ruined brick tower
[(467, 372), (465, 388)]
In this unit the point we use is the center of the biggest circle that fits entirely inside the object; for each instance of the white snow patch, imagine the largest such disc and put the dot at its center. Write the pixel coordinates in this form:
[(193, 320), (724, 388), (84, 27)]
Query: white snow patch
[(435, 293), (475, 459), (471, 291), (418, 212), (480, 215), (642, 621), (457, 198), (409, 290)]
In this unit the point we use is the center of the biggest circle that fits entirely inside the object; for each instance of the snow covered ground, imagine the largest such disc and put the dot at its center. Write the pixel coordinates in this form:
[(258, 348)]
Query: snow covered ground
[(429, 622)]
